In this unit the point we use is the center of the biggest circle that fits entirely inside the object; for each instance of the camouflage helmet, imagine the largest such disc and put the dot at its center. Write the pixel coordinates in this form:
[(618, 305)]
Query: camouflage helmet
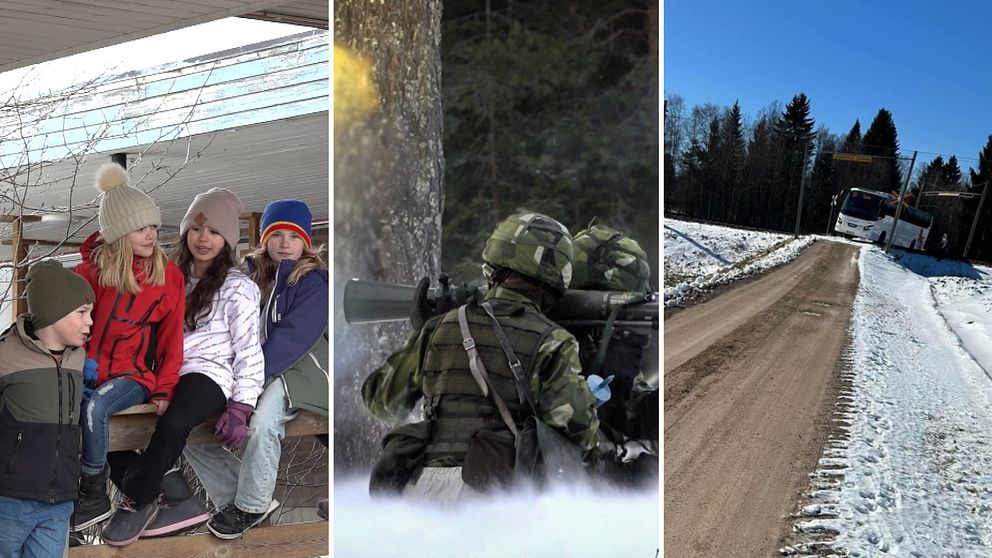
[(605, 259), (534, 245)]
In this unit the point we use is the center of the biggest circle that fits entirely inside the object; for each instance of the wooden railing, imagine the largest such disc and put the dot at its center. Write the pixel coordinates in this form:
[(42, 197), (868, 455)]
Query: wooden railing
[(132, 429)]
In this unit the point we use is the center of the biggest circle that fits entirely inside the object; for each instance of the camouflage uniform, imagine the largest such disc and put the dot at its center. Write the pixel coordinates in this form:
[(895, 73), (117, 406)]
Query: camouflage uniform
[(393, 389), (607, 260), (433, 366)]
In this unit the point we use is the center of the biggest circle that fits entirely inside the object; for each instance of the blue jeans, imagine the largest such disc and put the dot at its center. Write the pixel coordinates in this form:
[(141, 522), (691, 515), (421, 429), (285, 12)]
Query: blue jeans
[(109, 398), (33, 529), (250, 481)]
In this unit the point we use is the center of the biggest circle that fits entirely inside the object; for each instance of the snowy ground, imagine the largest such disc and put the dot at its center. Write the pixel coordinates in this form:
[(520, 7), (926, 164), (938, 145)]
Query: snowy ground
[(566, 523), (912, 474), (913, 477), (699, 257)]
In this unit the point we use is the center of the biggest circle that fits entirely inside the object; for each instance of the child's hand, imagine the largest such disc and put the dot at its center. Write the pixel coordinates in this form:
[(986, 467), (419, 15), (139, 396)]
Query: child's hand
[(161, 405), (232, 426), (89, 372)]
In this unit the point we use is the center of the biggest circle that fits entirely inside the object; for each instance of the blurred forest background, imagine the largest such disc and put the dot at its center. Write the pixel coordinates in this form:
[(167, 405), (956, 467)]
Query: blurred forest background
[(448, 116), (553, 107)]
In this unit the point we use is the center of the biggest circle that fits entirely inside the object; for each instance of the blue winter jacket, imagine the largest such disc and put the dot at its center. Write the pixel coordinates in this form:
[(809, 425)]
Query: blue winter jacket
[(294, 335)]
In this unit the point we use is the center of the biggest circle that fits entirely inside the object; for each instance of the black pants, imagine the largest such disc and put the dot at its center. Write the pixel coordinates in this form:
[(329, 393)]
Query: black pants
[(195, 399)]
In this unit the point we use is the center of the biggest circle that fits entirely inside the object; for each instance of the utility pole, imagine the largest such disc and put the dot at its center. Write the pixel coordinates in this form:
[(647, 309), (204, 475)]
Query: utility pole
[(802, 187), (830, 216), (974, 224), (919, 195), (902, 194)]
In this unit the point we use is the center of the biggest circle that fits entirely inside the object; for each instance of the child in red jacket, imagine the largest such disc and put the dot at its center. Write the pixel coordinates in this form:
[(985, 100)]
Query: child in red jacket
[(136, 347)]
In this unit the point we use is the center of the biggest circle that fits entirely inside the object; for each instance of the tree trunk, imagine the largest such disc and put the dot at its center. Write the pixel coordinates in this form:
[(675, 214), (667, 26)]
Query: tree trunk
[(388, 196)]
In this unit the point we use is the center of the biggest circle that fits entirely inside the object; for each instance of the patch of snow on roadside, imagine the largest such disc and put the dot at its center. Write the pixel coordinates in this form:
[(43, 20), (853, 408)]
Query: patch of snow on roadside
[(966, 304), (699, 257)]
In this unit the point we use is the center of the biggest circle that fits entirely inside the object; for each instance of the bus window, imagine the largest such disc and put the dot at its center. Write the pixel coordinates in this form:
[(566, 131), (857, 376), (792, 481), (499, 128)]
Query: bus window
[(862, 205)]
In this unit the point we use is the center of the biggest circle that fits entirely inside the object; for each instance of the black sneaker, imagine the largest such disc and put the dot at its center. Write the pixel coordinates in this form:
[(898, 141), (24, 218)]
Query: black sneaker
[(93, 505), (128, 522), (231, 523)]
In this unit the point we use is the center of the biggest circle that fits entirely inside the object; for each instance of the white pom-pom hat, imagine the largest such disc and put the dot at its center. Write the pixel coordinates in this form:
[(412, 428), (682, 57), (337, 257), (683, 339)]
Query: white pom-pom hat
[(123, 208)]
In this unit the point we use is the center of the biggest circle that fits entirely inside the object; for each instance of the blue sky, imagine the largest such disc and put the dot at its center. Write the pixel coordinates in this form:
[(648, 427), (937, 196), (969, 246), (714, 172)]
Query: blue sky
[(928, 63)]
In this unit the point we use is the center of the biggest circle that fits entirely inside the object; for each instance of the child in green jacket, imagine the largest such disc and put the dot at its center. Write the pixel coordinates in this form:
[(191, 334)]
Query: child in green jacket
[(41, 385)]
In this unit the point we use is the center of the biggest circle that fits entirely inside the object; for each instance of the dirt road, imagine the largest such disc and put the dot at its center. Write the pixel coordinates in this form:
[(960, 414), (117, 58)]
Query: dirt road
[(749, 389)]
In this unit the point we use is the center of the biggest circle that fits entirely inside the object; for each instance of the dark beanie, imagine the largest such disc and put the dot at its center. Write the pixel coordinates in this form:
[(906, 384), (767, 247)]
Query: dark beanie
[(54, 292)]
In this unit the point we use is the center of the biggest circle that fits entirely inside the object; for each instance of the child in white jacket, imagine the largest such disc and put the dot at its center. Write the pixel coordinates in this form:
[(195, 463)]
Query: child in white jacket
[(223, 365)]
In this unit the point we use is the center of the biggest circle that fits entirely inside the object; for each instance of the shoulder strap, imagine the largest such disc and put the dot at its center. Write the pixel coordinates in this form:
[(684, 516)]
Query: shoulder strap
[(523, 392), (605, 336), (480, 373)]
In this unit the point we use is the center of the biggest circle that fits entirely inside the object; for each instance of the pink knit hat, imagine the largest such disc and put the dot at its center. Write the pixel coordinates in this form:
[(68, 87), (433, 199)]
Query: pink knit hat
[(219, 209)]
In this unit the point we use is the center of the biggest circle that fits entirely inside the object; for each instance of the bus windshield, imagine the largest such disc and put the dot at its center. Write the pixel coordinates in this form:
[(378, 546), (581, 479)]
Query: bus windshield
[(862, 205)]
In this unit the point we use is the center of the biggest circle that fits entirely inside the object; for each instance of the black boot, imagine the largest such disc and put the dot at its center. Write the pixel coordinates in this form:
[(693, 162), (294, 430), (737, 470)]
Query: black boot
[(93, 505)]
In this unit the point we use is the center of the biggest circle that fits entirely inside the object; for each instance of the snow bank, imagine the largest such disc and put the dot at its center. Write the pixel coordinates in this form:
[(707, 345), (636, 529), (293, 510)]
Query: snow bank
[(574, 522), (699, 256)]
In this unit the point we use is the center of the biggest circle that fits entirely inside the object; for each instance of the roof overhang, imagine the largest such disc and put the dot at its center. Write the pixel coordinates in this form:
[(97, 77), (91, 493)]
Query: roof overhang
[(35, 32)]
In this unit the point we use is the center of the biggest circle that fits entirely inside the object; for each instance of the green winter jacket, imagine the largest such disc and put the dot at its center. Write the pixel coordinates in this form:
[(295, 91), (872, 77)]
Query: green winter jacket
[(39, 417), (306, 380)]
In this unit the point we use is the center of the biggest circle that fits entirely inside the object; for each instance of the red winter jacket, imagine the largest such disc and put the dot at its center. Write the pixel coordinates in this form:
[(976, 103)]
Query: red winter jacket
[(140, 336)]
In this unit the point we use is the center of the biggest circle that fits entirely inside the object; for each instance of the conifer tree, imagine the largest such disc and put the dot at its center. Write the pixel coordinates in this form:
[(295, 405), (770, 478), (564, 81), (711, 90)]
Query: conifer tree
[(930, 177), (795, 130), (731, 171), (760, 169), (881, 141), (822, 183), (849, 174), (711, 188), (852, 142), (951, 173)]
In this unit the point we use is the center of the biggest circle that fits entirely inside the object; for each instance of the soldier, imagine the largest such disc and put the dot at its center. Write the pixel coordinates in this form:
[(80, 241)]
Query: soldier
[(607, 260), (457, 365)]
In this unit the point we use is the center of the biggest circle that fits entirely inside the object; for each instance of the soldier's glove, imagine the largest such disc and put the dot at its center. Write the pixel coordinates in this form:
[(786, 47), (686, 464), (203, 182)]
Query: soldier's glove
[(446, 300), (421, 309), (232, 426)]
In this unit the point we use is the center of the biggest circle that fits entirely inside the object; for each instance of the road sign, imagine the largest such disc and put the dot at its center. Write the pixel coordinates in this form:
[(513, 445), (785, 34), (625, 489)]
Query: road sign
[(852, 157)]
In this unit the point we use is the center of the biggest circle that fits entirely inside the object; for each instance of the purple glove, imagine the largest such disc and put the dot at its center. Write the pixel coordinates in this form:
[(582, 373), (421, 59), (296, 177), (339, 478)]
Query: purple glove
[(232, 426)]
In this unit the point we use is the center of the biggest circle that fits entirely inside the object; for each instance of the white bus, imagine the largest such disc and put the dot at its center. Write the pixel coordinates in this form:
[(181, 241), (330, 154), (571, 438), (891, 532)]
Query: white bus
[(869, 214)]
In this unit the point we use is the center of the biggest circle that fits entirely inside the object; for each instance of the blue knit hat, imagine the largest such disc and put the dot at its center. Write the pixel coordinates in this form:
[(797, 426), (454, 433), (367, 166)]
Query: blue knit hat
[(288, 214)]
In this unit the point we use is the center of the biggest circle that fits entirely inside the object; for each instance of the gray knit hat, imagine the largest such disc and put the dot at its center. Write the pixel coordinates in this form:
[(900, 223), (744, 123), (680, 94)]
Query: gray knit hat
[(123, 208), (54, 292), (219, 209)]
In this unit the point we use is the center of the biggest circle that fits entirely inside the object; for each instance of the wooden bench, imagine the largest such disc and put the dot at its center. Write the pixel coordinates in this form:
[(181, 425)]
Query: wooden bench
[(132, 428)]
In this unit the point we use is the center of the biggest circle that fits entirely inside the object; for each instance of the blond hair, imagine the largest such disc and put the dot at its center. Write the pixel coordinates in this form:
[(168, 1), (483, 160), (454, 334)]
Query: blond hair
[(265, 268), (115, 262)]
